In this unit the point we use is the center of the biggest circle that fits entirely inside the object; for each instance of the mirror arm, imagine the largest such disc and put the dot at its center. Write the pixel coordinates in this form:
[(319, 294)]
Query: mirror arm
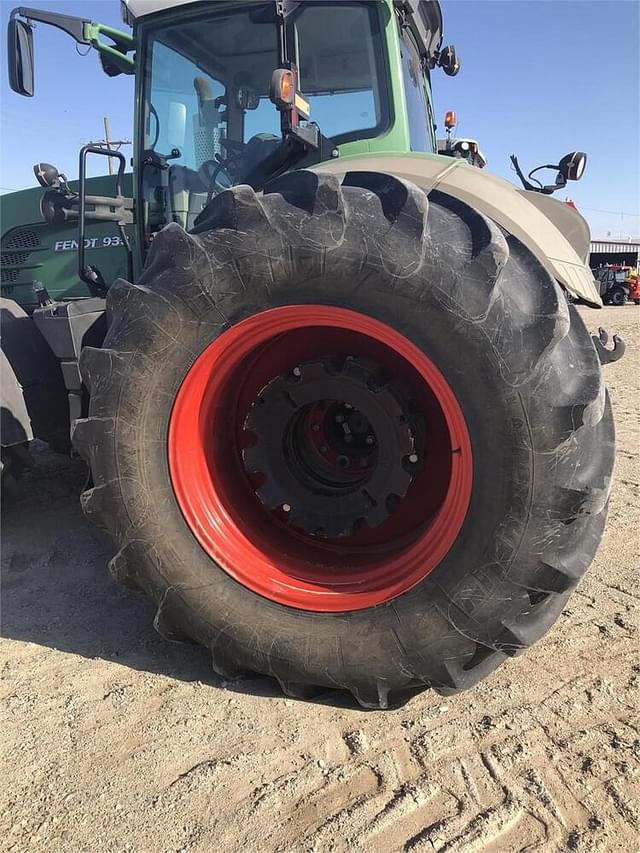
[(67, 23), (88, 32), (116, 52)]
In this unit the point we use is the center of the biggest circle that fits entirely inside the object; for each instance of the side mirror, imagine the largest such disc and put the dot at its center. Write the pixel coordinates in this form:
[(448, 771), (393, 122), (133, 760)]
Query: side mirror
[(20, 57), (448, 61), (46, 175), (572, 165), (247, 99), (177, 125)]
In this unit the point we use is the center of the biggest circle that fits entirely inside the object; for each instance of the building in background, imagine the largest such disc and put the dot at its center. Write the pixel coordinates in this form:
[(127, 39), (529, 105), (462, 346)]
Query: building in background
[(623, 252)]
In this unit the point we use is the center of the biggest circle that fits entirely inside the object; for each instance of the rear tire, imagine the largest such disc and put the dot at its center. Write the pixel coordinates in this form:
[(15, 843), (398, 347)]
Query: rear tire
[(515, 355)]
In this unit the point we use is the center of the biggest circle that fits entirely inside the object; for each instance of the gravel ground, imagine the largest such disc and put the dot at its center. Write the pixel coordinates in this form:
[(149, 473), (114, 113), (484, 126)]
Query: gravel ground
[(115, 740)]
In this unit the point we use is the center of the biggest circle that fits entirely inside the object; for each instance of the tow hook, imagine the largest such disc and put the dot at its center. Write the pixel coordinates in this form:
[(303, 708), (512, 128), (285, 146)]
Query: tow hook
[(608, 356)]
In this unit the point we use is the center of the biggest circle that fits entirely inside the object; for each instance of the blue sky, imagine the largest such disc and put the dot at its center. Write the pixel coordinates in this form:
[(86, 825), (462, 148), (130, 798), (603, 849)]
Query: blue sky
[(539, 78)]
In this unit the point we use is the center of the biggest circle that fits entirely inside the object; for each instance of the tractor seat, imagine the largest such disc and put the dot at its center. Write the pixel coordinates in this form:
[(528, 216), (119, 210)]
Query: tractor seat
[(257, 149)]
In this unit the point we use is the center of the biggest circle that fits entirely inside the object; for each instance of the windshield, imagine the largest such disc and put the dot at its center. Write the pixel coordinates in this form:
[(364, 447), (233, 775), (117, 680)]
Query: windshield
[(207, 117)]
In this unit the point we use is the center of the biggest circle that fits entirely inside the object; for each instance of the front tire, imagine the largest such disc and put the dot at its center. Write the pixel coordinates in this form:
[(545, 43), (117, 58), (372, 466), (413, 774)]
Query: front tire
[(450, 290), (618, 296)]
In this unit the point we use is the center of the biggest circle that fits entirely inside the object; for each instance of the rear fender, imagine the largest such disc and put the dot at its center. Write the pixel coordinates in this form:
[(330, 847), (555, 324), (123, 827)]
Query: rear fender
[(567, 220), (499, 200)]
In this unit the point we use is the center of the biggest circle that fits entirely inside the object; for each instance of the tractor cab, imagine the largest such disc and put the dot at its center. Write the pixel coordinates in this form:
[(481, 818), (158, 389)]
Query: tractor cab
[(238, 93), (221, 106)]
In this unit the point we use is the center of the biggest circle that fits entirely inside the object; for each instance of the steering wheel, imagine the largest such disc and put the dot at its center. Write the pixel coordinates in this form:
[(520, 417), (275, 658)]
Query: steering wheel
[(215, 176)]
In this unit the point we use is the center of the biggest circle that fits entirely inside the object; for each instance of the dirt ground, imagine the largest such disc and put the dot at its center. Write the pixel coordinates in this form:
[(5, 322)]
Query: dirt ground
[(114, 740)]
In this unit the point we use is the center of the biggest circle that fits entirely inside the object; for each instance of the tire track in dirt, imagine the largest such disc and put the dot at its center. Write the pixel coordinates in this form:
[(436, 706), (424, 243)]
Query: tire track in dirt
[(523, 784)]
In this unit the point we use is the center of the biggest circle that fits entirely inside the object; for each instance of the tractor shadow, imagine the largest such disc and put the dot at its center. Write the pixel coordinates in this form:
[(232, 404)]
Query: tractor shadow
[(57, 591)]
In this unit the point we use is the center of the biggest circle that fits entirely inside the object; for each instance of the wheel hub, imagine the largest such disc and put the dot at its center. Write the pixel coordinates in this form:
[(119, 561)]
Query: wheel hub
[(334, 446)]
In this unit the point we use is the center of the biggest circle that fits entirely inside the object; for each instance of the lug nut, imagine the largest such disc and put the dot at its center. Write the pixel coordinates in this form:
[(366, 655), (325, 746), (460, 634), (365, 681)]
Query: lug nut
[(413, 457), (296, 371), (286, 507), (369, 440)]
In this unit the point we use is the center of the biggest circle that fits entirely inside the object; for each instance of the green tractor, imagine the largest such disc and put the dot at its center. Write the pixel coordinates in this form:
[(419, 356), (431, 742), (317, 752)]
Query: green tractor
[(342, 423)]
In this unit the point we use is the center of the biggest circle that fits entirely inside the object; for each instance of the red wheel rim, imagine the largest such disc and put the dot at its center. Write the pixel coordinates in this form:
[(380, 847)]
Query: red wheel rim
[(256, 547)]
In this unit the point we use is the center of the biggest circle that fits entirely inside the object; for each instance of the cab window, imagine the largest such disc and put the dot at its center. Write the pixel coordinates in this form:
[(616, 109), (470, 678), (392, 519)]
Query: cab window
[(418, 106), (342, 70)]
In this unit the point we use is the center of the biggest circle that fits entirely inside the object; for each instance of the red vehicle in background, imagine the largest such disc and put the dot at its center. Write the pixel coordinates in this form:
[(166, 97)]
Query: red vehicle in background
[(618, 284)]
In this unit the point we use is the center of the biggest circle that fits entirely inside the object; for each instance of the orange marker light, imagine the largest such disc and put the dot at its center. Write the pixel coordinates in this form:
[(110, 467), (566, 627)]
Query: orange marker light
[(287, 88), (449, 119), (283, 88)]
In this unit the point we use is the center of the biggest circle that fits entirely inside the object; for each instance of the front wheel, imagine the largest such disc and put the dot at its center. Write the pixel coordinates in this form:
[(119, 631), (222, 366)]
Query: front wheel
[(618, 296), (348, 435)]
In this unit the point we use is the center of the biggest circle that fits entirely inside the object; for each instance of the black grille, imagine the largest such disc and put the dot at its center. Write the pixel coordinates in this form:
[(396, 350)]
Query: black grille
[(9, 275), (14, 259), (22, 240), (17, 240)]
